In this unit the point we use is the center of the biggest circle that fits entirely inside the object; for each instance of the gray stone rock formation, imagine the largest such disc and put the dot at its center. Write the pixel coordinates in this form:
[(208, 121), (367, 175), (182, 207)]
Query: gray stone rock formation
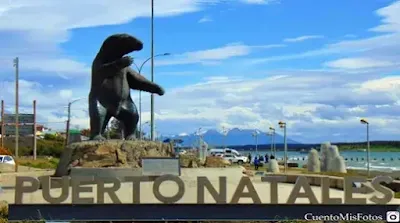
[(111, 153)]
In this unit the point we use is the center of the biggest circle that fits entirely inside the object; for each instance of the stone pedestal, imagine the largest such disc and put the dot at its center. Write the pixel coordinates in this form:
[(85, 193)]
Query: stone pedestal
[(90, 157)]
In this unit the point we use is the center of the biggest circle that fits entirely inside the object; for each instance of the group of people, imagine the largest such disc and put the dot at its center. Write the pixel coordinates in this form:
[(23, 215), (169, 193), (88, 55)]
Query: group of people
[(259, 159)]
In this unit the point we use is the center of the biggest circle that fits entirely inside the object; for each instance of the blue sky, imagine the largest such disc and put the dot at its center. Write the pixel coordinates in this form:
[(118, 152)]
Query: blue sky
[(318, 65)]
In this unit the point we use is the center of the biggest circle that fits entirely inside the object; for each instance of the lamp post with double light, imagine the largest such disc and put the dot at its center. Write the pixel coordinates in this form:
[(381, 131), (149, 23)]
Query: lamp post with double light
[(283, 126), (365, 122), (273, 148), (255, 135), (69, 119)]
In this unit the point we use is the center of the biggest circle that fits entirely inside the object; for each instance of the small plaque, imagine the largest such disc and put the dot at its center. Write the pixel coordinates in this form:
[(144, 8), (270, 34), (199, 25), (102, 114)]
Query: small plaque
[(157, 166)]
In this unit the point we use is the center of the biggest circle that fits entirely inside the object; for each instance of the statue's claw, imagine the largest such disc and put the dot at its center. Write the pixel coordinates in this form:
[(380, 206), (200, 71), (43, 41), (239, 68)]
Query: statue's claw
[(99, 138)]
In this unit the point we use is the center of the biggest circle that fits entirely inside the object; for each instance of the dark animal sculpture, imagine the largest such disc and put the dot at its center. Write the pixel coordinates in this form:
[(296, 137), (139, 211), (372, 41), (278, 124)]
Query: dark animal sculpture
[(112, 79)]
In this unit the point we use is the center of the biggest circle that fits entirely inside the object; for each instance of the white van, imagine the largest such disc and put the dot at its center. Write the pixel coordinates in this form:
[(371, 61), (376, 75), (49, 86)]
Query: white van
[(224, 151)]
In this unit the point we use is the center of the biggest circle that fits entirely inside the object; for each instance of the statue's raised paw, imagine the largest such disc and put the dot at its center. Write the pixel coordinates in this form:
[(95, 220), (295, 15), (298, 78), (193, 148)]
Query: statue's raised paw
[(131, 137), (160, 91), (99, 138), (126, 61)]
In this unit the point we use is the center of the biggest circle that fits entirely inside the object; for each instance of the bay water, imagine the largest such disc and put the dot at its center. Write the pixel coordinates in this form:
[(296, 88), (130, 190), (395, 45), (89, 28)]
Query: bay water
[(380, 161)]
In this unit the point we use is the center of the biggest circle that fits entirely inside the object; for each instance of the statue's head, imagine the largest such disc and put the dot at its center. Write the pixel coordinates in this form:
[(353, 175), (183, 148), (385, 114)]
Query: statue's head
[(118, 45)]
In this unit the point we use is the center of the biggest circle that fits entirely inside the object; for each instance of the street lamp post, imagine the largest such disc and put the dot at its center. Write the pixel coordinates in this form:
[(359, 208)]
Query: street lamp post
[(69, 120), (140, 92), (16, 65), (364, 121), (273, 140), (225, 133), (255, 135), (142, 135), (283, 125)]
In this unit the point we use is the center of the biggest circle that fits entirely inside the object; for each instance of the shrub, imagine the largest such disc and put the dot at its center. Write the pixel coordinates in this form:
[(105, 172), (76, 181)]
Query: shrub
[(50, 137), (5, 151), (50, 147)]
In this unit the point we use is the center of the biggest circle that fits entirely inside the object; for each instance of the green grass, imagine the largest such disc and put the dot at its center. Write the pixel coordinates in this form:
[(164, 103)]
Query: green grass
[(374, 148), (39, 163)]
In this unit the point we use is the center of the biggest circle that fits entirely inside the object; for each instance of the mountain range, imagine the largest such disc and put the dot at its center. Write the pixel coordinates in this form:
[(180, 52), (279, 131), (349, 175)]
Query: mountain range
[(234, 137)]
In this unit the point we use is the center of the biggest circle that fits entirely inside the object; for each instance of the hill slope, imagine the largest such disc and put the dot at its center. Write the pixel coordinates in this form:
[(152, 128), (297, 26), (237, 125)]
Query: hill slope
[(235, 137)]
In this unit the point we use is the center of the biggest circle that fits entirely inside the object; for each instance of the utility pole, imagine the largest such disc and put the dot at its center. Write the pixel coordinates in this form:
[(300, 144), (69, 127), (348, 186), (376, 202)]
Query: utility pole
[(34, 130), (16, 65), (2, 124), (152, 73), (68, 123)]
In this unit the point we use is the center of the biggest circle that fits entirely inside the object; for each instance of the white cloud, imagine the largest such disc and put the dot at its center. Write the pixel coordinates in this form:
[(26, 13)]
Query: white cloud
[(381, 47), (389, 84), (260, 2), (350, 36), (63, 67), (314, 104), (216, 54), (220, 53), (205, 19), (302, 38), (391, 18), (317, 105), (358, 63), (66, 94), (53, 19)]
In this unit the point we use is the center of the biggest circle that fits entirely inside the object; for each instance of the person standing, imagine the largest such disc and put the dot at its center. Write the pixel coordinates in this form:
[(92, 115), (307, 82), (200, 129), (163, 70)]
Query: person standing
[(266, 158), (256, 163), (249, 156)]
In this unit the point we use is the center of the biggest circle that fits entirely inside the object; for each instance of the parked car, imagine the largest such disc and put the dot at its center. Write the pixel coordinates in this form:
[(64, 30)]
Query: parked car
[(235, 159), (7, 159)]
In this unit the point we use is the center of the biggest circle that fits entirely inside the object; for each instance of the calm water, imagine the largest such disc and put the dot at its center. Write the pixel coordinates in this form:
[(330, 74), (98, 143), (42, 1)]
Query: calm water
[(382, 161)]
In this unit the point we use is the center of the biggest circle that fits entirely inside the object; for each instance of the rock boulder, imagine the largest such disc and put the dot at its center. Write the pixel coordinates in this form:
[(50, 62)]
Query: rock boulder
[(110, 153), (189, 160), (215, 161)]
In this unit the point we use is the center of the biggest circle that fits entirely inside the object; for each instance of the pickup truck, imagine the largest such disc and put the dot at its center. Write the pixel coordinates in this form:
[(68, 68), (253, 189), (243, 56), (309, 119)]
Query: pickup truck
[(235, 159)]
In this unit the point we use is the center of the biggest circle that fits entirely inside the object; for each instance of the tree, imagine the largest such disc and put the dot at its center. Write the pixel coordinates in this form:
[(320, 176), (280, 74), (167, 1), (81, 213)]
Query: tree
[(85, 132)]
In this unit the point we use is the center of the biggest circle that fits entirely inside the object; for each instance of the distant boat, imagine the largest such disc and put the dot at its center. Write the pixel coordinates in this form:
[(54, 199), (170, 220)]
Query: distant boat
[(362, 150), (303, 151)]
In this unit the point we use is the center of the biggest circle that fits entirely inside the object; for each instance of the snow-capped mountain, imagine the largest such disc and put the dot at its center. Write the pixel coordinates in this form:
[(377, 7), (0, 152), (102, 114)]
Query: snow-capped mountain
[(234, 137)]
